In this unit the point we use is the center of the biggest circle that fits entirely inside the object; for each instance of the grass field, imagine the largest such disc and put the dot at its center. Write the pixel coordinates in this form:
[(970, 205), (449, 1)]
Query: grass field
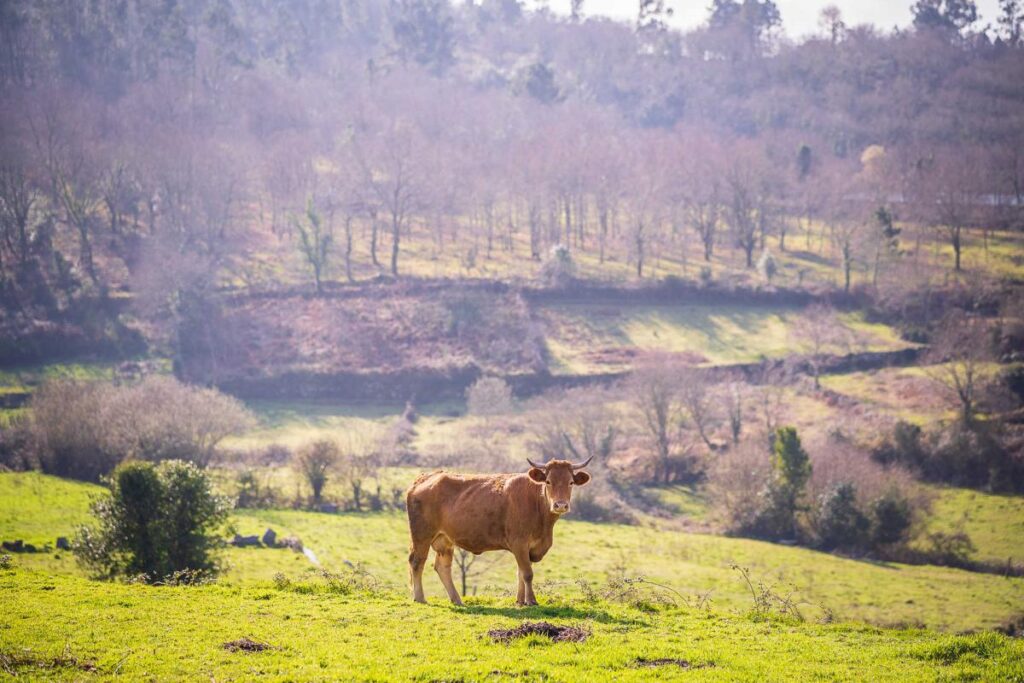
[(994, 522), (40, 508), (594, 338), (60, 628)]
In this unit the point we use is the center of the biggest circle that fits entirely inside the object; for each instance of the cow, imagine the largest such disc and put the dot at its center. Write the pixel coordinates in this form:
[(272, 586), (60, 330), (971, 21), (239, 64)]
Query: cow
[(478, 513)]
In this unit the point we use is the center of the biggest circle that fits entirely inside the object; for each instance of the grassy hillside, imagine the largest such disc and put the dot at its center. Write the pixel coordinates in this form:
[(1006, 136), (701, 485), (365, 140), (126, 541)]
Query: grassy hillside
[(591, 338), (994, 522), (695, 565)]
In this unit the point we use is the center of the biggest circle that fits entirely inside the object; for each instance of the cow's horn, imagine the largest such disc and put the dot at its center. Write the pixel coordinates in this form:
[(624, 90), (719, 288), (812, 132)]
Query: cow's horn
[(533, 464), (581, 465)]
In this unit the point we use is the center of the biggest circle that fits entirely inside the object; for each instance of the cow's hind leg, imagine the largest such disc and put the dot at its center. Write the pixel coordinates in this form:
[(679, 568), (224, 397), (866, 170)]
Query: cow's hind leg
[(444, 554), (418, 551)]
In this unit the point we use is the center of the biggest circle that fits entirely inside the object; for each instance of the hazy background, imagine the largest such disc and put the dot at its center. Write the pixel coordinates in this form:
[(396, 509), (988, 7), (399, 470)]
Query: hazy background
[(799, 17)]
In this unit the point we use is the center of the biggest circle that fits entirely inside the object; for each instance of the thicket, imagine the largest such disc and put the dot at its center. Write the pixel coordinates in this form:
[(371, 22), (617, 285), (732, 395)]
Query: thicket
[(837, 499), (977, 455), (83, 430)]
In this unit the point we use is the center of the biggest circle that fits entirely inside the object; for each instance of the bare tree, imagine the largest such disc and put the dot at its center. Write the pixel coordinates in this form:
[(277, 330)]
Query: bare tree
[(696, 402), (316, 238), (734, 409), (817, 332), (962, 355), (654, 393)]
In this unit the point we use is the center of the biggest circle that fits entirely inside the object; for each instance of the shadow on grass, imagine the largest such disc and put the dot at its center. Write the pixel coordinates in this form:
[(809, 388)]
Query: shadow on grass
[(548, 611)]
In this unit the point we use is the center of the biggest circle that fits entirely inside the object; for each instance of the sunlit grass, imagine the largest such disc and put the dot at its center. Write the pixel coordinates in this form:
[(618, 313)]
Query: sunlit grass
[(594, 338), (690, 563)]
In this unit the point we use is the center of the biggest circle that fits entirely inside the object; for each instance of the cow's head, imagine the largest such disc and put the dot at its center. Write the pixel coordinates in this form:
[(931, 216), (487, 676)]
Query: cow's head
[(558, 477)]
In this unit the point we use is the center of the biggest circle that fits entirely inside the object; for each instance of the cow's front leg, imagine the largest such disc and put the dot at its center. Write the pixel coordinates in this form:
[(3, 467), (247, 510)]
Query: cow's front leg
[(525, 596)]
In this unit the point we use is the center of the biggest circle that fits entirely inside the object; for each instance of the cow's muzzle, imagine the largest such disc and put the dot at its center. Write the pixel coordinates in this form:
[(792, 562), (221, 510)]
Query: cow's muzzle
[(560, 508)]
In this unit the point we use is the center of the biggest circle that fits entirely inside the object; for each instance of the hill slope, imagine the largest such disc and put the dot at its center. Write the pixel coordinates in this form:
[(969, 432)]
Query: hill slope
[(693, 564)]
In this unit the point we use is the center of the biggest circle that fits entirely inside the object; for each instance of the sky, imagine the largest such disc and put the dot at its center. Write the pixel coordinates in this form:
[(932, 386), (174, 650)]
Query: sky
[(799, 17)]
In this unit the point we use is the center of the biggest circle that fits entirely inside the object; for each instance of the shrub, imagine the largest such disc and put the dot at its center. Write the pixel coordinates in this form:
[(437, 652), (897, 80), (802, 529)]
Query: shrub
[(558, 269), (953, 549), (841, 523), (489, 396), (766, 266), (17, 450), (736, 480), (891, 519), (157, 522), (83, 430), (904, 447), (315, 462), (251, 494)]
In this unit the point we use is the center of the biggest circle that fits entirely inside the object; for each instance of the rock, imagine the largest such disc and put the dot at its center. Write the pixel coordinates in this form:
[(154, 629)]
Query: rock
[(292, 542), (245, 541), (329, 507), (62, 543), (270, 538), (29, 548), (13, 546)]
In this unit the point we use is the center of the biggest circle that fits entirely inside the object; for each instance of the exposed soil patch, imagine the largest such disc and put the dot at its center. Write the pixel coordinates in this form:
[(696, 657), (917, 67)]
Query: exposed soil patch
[(668, 661), (246, 645), (11, 662), (558, 634)]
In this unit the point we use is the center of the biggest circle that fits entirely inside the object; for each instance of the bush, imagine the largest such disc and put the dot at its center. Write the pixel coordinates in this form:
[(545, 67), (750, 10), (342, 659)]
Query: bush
[(489, 396), (891, 519), (17, 450), (841, 523), (315, 462), (558, 269), (736, 480), (83, 430), (766, 266), (251, 494), (904, 447), (158, 522)]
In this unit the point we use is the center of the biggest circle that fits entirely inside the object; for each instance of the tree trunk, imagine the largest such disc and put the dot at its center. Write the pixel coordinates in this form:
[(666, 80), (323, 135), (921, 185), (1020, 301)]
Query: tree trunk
[(396, 236), (348, 249)]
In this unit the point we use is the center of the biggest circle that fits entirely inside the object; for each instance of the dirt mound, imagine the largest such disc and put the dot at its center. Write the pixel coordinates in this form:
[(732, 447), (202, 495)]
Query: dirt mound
[(245, 645), (668, 661), (558, 634)]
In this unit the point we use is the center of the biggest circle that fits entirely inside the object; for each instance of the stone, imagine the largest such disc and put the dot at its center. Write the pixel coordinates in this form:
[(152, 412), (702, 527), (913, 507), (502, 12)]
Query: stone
[(270, 538), (63, 543), (329, 507), (245, 541)]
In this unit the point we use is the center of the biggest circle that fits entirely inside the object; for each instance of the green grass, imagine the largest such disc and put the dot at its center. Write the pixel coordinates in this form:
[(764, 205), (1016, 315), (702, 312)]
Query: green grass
[(54, 627), (692, 564), (593, 338), (994, 522), (37, 508), (295, 423)]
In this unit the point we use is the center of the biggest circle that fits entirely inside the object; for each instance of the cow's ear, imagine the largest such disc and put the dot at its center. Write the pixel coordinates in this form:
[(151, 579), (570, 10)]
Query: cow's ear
[(580, 478), (537, 474)]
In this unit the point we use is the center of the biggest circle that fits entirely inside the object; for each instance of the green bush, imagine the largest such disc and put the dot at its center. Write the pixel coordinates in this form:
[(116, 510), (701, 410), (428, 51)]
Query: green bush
[(158, 522), (891, 519), (841, 523)]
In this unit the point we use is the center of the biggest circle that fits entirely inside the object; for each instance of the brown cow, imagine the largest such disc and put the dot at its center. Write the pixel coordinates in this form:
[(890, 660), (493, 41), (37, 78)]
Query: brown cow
[(513, 512)]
